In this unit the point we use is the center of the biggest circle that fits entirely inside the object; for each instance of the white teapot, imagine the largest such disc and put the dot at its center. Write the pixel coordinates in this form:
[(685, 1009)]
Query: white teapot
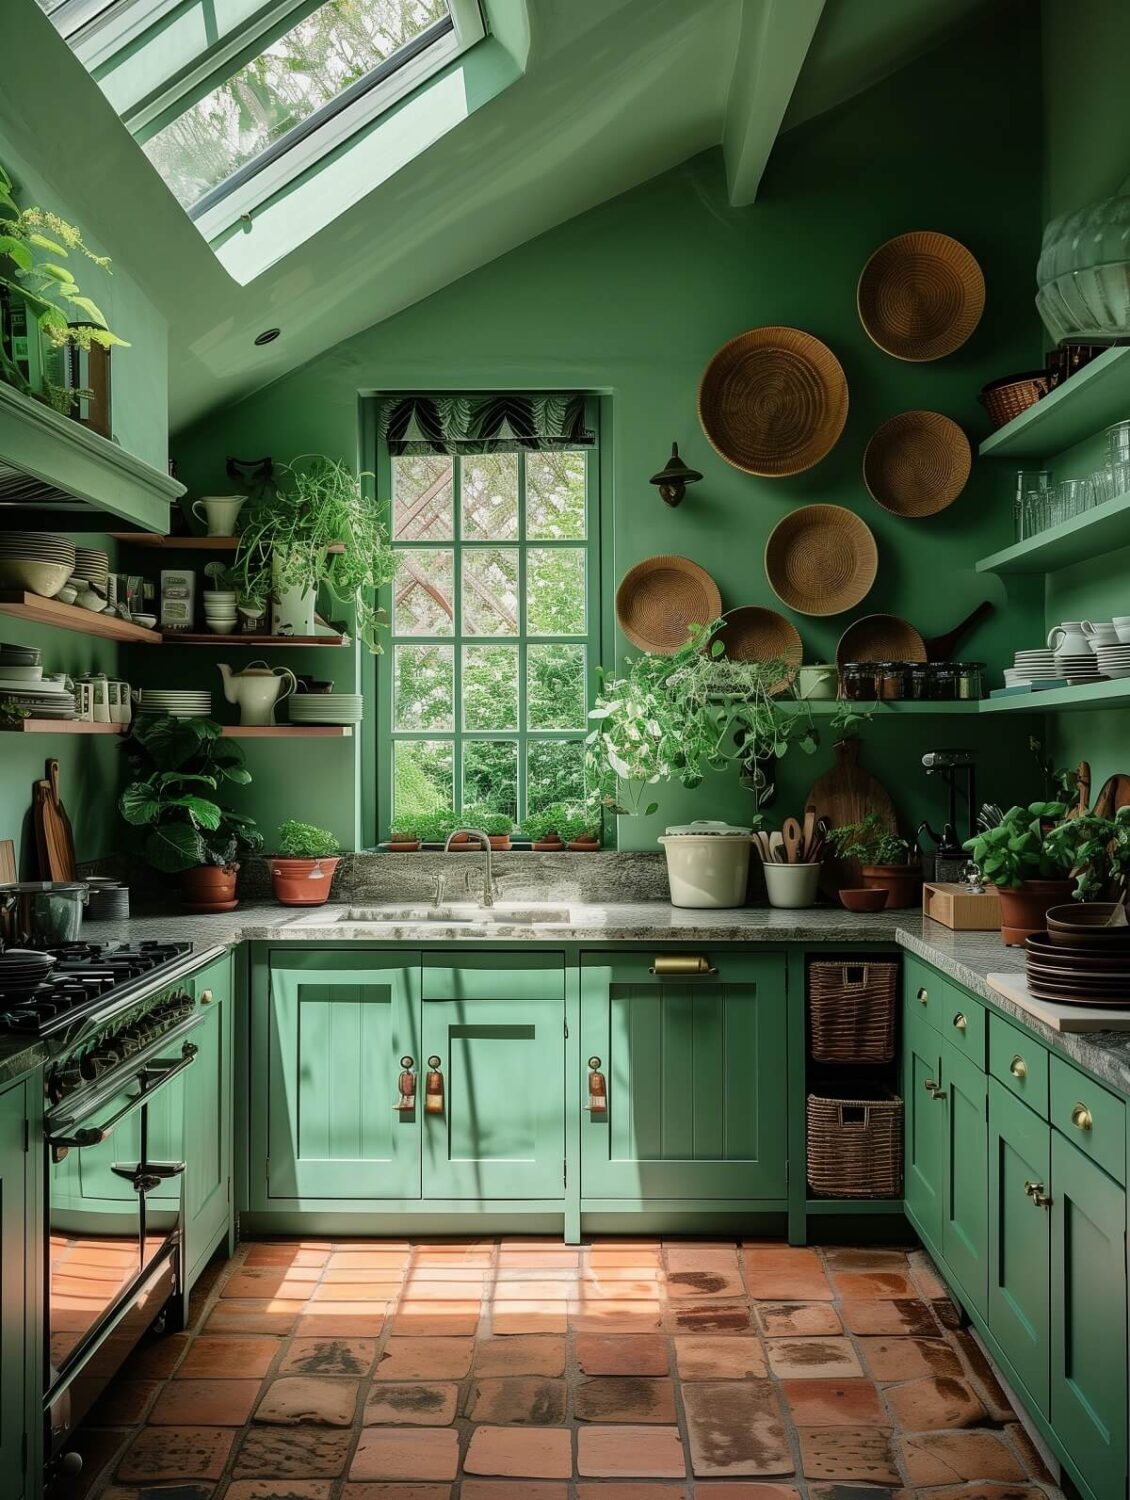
[(257, 689)]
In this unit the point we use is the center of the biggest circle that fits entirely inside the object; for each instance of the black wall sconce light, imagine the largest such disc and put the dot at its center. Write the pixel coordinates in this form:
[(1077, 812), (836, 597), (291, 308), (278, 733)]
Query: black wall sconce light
[(672, 480)]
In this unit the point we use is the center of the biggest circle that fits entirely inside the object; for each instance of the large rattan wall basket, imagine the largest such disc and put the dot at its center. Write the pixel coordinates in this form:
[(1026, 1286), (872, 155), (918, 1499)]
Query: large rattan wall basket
[(661, 598), (917, 463), (773, 401), (880, 638), (821, 560), (752, 633), (921, 295)]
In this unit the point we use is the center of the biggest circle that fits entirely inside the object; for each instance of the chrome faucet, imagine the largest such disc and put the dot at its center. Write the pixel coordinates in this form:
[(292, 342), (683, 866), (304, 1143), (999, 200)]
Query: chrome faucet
[(484, 844)]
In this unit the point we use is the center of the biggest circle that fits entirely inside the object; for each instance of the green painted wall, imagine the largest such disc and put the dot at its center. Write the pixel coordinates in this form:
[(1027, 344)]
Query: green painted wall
[(632, 299)]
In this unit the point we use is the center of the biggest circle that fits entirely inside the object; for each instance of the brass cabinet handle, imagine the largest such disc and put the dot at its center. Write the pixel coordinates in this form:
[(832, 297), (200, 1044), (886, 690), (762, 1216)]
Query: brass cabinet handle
[(1038, 1197), (960, 1022), (923, 995), (681, 965), (598, 1089), (1081, 1117), (1033, 1187), (933, 1090), (433, 1088), (205, 997), (1018, 1067), (406, 1087)]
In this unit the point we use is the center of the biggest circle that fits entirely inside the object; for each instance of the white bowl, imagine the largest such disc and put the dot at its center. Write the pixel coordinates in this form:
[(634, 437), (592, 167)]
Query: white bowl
[(148, 621)]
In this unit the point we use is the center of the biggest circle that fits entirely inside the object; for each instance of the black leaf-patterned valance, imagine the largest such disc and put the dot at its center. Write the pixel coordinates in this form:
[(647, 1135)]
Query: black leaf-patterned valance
[(483, 424)]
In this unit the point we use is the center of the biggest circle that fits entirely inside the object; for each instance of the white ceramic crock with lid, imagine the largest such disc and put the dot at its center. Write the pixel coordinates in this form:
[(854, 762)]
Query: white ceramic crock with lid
[(707, 863)]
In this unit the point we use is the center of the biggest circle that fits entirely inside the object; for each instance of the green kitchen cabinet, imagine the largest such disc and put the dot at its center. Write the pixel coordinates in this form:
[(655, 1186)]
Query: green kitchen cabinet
[(15, 1411), (965, 1205), (1019, 1301), (493, 1077), (694, 1073), (1088, 1318), (924, 1123), (337, 1024), (207, 1119)]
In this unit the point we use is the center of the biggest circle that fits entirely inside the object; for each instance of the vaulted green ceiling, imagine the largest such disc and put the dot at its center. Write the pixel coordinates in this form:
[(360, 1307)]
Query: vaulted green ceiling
[(582, 100)]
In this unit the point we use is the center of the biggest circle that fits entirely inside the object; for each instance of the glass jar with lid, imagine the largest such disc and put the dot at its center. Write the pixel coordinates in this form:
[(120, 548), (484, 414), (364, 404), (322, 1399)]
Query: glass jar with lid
[(857, 681), (970, 679), (890, 680)]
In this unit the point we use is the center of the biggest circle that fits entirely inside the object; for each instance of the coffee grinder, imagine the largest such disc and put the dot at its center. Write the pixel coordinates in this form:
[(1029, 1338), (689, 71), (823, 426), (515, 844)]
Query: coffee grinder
[(948, 860)]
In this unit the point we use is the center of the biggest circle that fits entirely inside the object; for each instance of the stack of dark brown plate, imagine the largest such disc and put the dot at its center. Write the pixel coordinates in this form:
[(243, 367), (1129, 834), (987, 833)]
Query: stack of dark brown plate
[(1084, 956)]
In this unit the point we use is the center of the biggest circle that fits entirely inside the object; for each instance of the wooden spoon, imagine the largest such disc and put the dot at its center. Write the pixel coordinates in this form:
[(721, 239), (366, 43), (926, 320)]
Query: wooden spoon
[(794, 840)]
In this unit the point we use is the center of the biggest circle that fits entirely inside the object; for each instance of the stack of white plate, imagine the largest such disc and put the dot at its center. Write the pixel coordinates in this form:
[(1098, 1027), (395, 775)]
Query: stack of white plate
[(20, 663), (1035, 666), (22, 971), (219, 611), (1114, 661), (42, 700), (91, 566), (1078, 668), (36, 561), (325, 708), (186, 703)]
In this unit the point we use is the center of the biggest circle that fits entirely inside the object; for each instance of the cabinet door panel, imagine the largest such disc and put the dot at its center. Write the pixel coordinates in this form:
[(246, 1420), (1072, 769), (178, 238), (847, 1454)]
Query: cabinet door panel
[(501, 1132), (965, 1213), (1019, 1239), (695, 1074), (338, 1025), (14, 1289), (1089, 1347), (207, 1121), (924, 1122)]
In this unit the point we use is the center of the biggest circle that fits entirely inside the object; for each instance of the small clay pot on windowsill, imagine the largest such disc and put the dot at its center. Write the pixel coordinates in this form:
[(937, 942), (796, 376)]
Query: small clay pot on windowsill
[(587, 843)]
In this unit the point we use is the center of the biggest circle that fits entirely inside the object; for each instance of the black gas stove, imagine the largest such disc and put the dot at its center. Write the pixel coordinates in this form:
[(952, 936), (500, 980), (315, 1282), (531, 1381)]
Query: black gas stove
[(88, 981)]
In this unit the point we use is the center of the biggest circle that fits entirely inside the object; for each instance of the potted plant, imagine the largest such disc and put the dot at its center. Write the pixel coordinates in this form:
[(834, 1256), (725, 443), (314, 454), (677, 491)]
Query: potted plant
[(1028, 865), (177, 766), (1096, 851), (314, 525), (884, 857), (543, 828), (303, 869), (497, 826)]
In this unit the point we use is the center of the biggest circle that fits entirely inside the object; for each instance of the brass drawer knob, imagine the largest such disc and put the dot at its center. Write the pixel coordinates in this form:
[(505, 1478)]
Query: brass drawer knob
[(923, 996), (205, 997), (1081, 1117), (1018, 1067), (933, 1090), (960, 1022)]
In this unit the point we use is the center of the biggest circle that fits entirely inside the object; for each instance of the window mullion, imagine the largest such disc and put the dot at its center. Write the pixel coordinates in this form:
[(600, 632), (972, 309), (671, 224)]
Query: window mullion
[(522, 790), (457, 628)]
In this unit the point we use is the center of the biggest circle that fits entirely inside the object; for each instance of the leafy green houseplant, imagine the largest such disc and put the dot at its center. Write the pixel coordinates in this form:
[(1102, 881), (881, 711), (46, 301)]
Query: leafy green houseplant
[(1096, 852), (885, 859), (179, 766), (315, 526), (551, 828), (1027, 863), (303, 869)]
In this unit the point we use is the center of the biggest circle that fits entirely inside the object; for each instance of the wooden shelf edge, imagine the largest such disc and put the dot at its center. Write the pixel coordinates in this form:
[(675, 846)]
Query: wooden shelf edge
[(1086, 536), (43, 611), (63, 726), (193, 638), (288, 731), (151, 539), (1094, 396)]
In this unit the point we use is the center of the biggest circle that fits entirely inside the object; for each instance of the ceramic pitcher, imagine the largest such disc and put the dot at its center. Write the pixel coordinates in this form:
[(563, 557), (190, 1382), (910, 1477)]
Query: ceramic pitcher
[(256, 690), (220, 512), (1068, 639)]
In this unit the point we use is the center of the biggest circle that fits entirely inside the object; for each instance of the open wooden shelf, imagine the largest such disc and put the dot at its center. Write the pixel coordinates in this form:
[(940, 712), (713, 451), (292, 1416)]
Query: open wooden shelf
[(40, 611), (879, 708), (288, 731), (1090, 400), (63, 726), (188, 638), (1096, 531), (1112, 694), (177, 543)]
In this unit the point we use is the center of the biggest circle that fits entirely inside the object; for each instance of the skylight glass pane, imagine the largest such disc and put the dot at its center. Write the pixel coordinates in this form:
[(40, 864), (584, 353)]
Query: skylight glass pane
[(305, 69)]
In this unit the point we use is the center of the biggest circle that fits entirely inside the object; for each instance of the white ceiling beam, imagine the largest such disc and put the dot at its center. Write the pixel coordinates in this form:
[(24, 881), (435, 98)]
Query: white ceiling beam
[(773, 43)]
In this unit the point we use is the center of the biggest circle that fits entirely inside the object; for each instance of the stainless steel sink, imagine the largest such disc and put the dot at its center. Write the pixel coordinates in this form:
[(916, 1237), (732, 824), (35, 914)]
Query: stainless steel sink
[(461, 913)]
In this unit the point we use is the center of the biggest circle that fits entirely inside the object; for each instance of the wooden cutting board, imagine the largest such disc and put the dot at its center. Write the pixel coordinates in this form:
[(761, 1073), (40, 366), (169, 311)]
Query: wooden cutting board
[(67, 845), (56, 857), (846, 794), (7, 862), (1113, 794)]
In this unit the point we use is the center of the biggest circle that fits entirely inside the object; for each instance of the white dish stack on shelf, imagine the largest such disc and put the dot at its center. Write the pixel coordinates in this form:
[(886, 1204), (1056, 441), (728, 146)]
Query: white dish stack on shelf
[(35, 561), (325, 708), (1114, 661), (1078, 668), (183, 703), (22, 685), (1038, 665), (220, 613)]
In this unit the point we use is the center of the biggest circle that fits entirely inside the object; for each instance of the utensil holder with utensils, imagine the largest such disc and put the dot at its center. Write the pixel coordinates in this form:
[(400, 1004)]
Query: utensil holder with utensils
[(792, 860)]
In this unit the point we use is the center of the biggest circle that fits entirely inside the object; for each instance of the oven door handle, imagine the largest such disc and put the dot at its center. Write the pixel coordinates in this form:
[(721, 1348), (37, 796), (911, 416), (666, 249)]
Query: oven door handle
[(93, 1135), (148, 1176)]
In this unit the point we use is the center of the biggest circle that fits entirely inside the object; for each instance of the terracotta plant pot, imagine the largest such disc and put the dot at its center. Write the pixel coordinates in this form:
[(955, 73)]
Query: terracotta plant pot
[(550, 844), (499, 842), (210, 888), (902, 883), (1025, 911), (864, 898), (302, 882), (588, 843), (400, 843)]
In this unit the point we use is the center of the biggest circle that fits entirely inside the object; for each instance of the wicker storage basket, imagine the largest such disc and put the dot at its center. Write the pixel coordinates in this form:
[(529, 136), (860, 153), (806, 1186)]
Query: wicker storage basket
[(855, 1143), (1005, 399), (851, 1011)]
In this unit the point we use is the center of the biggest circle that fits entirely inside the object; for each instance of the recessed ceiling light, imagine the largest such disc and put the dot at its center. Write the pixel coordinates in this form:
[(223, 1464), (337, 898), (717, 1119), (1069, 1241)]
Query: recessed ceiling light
[(268, 336)]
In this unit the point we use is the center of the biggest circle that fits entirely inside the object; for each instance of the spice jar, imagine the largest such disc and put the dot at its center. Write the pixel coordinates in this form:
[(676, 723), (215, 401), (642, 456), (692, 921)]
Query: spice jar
[(890, 680), (919, 682), (970, 678), (857, 681), (943, 680)]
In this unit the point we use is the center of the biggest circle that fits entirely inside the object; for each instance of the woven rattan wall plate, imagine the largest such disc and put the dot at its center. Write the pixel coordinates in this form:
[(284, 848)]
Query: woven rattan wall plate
[(880, 638), (917, 463), (752, 633), (661, 598), (921, 295), (773, 401), (821, 560)]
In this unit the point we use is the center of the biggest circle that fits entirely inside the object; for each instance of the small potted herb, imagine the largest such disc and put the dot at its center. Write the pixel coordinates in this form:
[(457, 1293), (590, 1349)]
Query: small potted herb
[(497, 827), (303, 869), (543, 829), (1029, 860), (413, 829), (1096, 850), (885, 859)]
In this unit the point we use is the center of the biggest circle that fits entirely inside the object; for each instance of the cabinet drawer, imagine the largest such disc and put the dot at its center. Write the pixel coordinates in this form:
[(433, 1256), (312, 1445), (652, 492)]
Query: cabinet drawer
[(494, 976), (1093, 1120), (930, 996), (1017, 1060), (963, 1026), (213, 981)]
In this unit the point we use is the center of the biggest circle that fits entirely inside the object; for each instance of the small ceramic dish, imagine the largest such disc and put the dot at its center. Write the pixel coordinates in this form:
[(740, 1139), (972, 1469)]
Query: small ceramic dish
[(864, 898), (147, 621)]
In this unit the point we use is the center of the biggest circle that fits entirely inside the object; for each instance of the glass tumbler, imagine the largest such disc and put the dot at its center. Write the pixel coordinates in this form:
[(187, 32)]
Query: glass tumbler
[(1118, 444), (1032, 491)]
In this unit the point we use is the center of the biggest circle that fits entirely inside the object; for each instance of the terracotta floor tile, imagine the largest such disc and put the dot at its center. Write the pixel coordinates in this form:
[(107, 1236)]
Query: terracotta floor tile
[(292, 1452), (621, 1354), (176, 1453), (412, 1404), (123, 1403), (381, 1490), (436, 1320), (866, 1258), (503, 1276), (708, 1317), (722, 1260), (862, 1454), (630, 1489), (521, 1452), (284, 1283), (797, 1319), (785, 1273), (987, 1492), (329, 1356), (868, 1285), (624, 1398), (705, 1283), (293, 1400), (909, 1359), (220, 1358), (616, 1315), (528, 1317), (377, 1283), (285, 1253), (253, 1316), (268, 1489), (718, 1356), (406, 1453), (1030, 1456), (425, 1359), (985, 1380), (157, 1359), (833, 1403), (205, 1403), (563, 1257), (341, 1319), (527, 1399), (926, 1276), (736, 1429), (521, 1354), (740, 1489), (380, 1293), (630, 1453), (816, 1359), (369, 1260), (602, 1257), (926, 1405), (422, 1288), (953, 1457), (529, 1289), (468, 1255), (514, 1489), (904, 1317)]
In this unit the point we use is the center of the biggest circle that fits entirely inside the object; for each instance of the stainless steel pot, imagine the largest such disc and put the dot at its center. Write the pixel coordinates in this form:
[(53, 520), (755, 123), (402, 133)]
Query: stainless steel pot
[(42, 911)]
